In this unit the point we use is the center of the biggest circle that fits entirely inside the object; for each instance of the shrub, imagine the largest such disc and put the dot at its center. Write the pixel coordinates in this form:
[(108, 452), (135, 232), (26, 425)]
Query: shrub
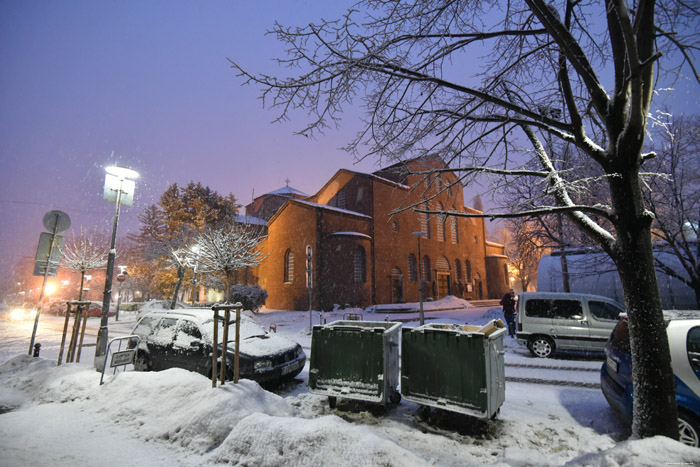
[(252, 297)]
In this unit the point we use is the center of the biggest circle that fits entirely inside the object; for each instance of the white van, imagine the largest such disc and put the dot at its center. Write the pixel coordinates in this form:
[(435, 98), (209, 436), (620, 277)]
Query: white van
[(547, 321)]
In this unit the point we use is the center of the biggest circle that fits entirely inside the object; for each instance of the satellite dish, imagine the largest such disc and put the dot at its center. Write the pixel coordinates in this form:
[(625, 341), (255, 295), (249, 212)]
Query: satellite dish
[(56, 221)]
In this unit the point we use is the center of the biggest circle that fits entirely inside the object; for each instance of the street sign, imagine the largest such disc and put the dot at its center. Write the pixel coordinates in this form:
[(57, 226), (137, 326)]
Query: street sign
[(56, 221), (42, 254), (125, 357)]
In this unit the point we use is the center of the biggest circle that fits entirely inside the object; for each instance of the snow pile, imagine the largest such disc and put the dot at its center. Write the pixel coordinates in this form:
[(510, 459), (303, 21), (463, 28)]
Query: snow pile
[(263, 440), (240, 424)]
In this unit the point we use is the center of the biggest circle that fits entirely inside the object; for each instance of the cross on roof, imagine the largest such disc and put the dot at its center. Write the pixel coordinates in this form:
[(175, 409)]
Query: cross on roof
[(287, 180)]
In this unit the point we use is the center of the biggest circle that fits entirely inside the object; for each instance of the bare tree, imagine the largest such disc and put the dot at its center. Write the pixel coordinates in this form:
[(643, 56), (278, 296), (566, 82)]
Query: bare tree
[(85, 252), (524, 250), (227, 249), (675, 200), (596, 61)]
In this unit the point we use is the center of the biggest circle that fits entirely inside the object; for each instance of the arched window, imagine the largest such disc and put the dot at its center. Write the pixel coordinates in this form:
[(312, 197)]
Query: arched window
[(359, 265), (441, 219), (426, 269), (454, 228), (412, 268), (468, 272), (289, 266), (458, 270), (425, 221)]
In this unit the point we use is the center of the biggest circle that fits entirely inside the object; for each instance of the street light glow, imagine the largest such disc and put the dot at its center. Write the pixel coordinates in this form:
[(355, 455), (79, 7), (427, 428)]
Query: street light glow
[(122, 172)]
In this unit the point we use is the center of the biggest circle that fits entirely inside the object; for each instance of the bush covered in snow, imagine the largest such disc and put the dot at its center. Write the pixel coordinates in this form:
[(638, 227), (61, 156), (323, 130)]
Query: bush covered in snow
[(252, 297)]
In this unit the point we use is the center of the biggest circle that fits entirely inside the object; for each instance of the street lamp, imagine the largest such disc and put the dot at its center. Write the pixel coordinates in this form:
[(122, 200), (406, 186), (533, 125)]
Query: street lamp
[(420, 276), (119, 189)]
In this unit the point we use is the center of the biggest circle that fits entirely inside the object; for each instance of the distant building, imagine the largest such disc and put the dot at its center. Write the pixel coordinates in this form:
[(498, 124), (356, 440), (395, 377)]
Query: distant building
[(364, 252)]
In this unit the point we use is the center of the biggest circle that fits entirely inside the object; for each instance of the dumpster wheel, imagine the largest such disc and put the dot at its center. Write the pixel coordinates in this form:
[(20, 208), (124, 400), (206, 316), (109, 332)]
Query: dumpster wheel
[(332, 401), (395, 397)]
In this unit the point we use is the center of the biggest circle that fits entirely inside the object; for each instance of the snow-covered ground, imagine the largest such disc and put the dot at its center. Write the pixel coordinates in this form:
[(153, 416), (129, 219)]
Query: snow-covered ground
[(61, 416)]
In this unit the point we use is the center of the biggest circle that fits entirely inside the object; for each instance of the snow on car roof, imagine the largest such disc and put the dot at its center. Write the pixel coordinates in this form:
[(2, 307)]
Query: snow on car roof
[(265, 345)]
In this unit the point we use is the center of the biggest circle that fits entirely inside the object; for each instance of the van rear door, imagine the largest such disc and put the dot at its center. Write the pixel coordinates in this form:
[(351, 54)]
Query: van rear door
[(571, 328)]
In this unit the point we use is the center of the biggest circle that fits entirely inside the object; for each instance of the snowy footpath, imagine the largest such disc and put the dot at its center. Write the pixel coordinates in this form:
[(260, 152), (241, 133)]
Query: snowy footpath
[(60, 415)]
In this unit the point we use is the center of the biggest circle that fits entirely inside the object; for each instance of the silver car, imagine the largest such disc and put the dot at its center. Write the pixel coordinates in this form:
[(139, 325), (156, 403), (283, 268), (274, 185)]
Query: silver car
[(548, 321)]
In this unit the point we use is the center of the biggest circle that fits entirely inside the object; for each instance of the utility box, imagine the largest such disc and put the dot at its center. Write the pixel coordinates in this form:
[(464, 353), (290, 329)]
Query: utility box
[(356, 360), (455, 368)]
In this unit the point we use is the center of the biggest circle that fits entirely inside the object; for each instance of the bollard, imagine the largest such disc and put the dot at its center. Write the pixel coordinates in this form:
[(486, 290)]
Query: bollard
[(37, 349)]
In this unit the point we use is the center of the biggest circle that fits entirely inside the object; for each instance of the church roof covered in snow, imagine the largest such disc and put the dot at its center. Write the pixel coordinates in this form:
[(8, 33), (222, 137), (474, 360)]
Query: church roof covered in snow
[(288, 191)]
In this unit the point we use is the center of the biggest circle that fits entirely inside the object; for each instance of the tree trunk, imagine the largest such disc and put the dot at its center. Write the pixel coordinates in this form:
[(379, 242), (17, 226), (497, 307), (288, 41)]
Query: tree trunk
[(178, 284), (655, 410)]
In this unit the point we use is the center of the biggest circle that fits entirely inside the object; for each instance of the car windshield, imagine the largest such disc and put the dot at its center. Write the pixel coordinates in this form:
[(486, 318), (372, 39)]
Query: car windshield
[(248, 329)]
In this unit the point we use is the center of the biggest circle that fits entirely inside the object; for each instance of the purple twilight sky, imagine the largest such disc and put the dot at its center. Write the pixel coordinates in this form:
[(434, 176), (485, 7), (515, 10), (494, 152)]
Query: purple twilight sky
[(149, 81)]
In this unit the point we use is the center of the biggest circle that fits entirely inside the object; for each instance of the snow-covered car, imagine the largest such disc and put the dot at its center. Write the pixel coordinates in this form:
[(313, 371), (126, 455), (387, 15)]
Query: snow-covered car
[(183, 339), (683, 330), (153, 305)]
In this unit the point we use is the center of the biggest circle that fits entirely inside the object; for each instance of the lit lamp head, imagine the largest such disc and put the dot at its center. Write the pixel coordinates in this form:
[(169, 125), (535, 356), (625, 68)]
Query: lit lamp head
[(120, 179), (122, 173)]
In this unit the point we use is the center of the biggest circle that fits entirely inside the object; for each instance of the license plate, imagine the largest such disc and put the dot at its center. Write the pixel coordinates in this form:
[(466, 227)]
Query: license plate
[(290, 368), (612, 364)]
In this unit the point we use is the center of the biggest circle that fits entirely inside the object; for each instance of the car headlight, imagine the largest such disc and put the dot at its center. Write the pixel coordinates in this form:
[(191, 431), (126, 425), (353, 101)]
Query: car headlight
[(262, 365), (17, 313)]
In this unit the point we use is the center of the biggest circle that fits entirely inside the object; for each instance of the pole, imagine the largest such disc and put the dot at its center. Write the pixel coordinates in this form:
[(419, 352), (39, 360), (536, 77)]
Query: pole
[(236, 344), (102, 334), (43, 285), (420, 283), (194, 285), (214, 350), (119, 301)]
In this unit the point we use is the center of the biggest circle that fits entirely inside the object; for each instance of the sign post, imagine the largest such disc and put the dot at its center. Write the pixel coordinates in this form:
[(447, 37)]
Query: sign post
[(55, 221), (309, 281)]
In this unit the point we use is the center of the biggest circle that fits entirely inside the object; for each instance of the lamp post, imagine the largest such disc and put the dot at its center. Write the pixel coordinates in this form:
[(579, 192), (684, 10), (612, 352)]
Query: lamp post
[(118, 189), (420, 276), (195, 250)]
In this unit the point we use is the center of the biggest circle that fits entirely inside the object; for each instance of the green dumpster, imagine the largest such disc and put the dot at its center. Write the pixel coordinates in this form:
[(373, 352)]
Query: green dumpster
[(356, 360), (455, 368)]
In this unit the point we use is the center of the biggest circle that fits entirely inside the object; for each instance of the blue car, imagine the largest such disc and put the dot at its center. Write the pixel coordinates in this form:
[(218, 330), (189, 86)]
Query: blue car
[(683, 329)]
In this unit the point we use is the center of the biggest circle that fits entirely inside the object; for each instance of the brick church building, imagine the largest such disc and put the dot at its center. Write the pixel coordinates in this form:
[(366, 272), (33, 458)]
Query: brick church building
[(364, 253)]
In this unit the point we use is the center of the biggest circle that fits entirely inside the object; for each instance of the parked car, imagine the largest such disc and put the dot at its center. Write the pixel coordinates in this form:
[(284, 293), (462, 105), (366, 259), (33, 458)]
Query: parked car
[(548, 321), (183, 339), (94, 309), (683, 330), (153, 305)]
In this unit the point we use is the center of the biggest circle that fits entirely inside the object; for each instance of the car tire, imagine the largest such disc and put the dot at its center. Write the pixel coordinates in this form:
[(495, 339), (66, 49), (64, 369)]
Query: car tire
[(332, 401), (541, 346), (688, 429), (395, 397)]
